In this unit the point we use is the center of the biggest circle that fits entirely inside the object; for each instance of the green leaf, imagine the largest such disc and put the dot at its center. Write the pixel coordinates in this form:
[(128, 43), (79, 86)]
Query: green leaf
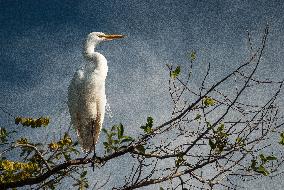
[(18, 120), (262, 157), (271, 158), (3, 135), (192, 55), (46, 121), (238, 139), (120, 131), (175, 73), (140, 149), (281, 142), (221, 127), (33, 123), (104, 130), (209, 125), (161, 188), (66, 156), (148, 127), (148, 130), (253, 164), (113, 128), (110, 141), (282, 138), (66, 135), (150, 121), (116, 141), (212, 144), (22, 141), (208, 101), (126, 139), (262, 170), (105, 144), (198, 116), (110, 135), (266, 159), (179, 160), (224, 135), (83, 174)]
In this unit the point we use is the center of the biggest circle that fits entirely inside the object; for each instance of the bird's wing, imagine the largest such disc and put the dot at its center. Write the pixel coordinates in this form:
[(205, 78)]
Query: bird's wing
[(77, 108), (74, 94), (86, 102)]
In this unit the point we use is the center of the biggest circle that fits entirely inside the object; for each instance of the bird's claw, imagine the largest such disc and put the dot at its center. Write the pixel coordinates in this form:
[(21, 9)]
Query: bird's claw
[(97, 158), (95, 155)]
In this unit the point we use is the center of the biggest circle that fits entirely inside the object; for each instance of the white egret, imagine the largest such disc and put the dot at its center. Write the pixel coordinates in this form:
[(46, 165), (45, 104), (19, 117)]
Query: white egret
[(86, 92)]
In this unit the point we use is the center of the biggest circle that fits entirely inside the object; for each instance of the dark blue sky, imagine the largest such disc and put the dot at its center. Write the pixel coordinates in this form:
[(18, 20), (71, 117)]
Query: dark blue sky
[(65, 23), (41, 43)]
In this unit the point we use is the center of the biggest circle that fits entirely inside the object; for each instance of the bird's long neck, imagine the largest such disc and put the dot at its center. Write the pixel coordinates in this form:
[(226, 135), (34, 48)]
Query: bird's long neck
[(96, 60), (89, 50)]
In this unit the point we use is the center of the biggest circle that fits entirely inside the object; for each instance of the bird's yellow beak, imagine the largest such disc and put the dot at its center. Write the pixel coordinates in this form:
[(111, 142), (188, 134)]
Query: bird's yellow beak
[(112, 36)]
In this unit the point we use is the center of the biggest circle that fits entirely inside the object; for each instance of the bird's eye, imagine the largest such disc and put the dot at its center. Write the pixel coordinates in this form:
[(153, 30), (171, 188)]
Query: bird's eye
[(101, 36)]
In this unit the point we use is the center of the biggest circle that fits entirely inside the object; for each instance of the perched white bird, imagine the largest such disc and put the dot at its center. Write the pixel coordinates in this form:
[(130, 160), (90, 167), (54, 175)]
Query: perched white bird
[(86, 92)]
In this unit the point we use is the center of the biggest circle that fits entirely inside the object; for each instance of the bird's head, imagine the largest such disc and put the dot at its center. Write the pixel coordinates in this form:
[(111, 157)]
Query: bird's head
[(97, 37)]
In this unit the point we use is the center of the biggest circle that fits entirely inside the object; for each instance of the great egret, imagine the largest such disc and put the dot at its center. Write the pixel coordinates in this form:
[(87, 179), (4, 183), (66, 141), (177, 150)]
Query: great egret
[(86, 92)]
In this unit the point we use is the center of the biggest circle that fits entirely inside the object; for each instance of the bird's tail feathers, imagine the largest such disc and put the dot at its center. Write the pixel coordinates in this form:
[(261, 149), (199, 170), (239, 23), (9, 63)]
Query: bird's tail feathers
[(88, 135)]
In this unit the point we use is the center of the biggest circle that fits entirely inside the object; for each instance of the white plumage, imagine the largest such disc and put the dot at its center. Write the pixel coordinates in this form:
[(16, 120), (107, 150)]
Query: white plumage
[(86, 93)]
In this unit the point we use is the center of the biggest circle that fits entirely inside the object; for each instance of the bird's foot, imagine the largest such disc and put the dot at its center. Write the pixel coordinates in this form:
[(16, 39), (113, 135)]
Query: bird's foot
[(95, 155), (97, 159)]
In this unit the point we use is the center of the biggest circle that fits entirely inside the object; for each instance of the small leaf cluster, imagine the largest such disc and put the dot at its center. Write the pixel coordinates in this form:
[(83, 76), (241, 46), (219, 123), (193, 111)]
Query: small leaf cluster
[(148, 126), (22, 140), (219, 140), (192, 55), (34, 157), (82, 183), (33, 123), (116, 138), (240, 141), (14, 171), (281, 138), (66, 141), (208, 101), (64, 147), (4, 134), (197, 117), (180, 160), (12, 166), (175, 73), (258, 165)]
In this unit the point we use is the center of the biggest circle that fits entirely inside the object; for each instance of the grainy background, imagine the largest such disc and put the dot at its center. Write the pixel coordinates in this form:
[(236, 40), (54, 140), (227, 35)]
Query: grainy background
[(41, 45)]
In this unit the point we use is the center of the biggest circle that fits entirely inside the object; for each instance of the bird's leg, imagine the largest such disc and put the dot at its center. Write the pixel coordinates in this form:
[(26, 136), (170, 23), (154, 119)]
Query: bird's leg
[(93, 162), (94, 156), (97, 158), (93, 130)]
